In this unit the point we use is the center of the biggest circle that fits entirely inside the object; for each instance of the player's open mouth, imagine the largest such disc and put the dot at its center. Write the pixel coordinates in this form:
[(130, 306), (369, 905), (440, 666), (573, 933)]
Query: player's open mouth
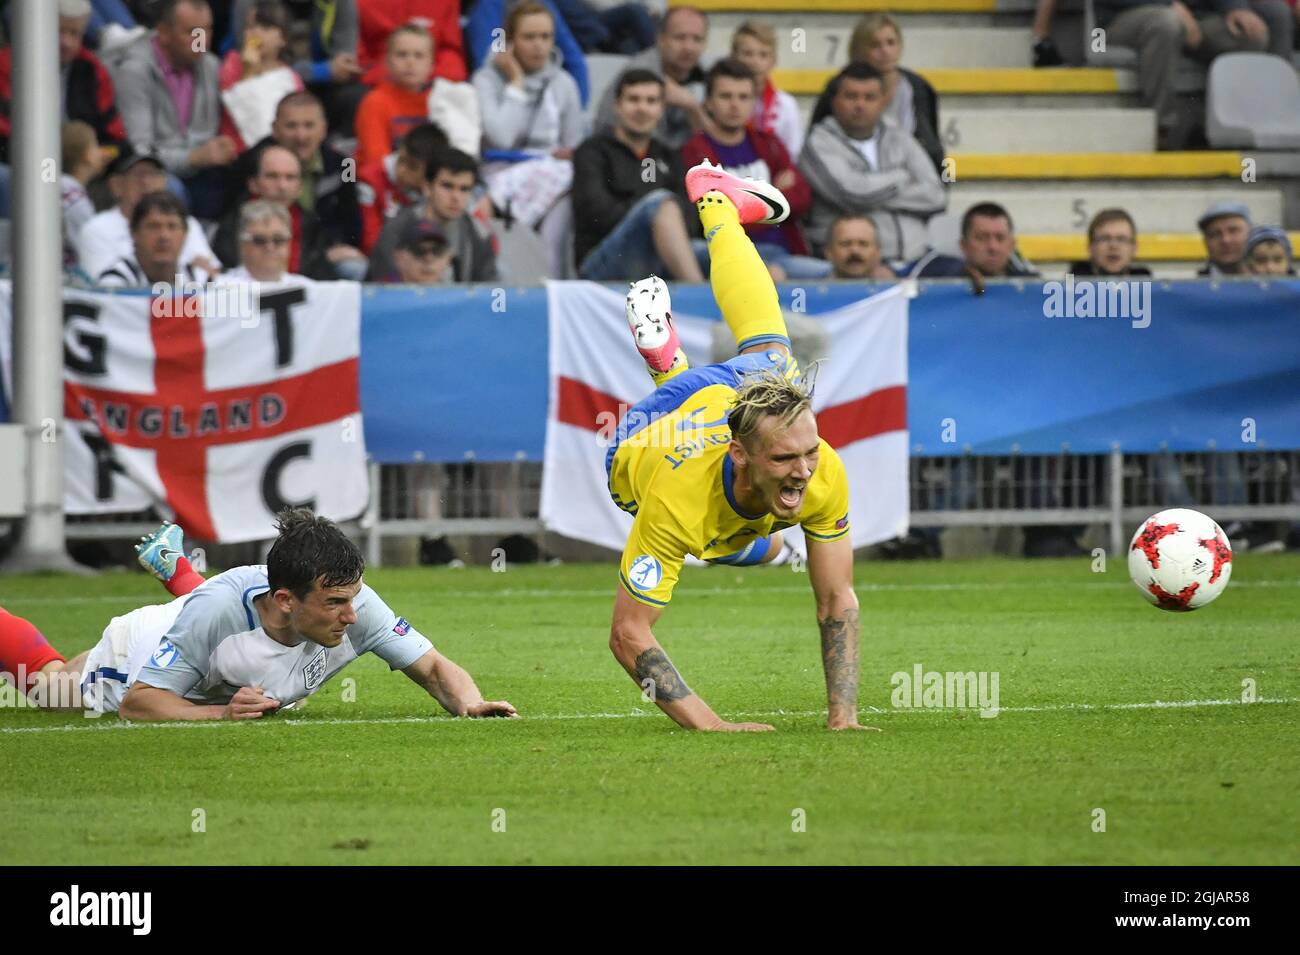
[(791, 495)]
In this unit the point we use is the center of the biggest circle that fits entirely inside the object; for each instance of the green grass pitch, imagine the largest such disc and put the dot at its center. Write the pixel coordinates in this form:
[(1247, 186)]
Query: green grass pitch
[(593, 775)]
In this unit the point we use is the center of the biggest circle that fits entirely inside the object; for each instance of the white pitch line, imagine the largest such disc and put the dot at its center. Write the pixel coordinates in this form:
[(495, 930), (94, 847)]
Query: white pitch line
[(536, 593), (110, 723)]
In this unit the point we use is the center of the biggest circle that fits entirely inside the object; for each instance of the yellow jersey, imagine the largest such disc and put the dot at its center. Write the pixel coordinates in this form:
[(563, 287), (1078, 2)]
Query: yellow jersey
[(670, 469)]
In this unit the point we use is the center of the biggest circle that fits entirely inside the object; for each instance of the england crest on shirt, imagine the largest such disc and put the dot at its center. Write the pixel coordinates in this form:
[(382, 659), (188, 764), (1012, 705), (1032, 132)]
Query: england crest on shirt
[(314, 672)]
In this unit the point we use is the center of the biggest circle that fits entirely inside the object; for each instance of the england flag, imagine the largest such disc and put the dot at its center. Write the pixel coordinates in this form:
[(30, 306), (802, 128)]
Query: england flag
[(223, 404), (596, 375)]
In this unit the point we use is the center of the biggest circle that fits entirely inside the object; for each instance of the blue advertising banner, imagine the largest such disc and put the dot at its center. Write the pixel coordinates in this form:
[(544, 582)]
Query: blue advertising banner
[(456, 373), (1200, 365), (1030, 367)]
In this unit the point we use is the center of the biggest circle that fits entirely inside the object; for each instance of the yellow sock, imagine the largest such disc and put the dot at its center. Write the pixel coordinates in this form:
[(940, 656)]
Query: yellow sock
[(679, 366), (742, 286)]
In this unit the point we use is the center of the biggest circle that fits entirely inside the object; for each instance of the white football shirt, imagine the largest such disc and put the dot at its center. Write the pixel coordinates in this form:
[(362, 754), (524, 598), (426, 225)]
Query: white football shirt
[(217, 645)]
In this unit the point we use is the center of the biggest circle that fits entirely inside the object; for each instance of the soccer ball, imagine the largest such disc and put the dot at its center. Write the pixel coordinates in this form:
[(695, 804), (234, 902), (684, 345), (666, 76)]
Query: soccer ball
[(1180, 559)]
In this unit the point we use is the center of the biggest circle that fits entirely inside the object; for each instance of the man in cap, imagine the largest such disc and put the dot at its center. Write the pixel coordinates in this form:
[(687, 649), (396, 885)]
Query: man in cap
[(106, 236), (423, 254), (1224, 227)]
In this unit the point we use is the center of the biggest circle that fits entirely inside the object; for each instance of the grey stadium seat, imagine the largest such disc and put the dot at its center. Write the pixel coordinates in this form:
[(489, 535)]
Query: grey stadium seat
[(1252, 100), (944, 233), (602, 70)]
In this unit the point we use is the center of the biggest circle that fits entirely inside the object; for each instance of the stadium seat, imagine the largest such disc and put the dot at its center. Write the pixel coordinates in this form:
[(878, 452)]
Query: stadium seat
[(602, 70), (522, 256), (944, 233), (1252, 100)]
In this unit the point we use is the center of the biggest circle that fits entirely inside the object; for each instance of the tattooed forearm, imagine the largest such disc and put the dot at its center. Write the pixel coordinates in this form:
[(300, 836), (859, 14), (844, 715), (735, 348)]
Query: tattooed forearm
[(840, 657), (665, 683)]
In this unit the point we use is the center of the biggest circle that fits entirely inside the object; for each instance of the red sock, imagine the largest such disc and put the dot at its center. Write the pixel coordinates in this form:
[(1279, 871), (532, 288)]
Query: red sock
[(21, 644), (184, 580)]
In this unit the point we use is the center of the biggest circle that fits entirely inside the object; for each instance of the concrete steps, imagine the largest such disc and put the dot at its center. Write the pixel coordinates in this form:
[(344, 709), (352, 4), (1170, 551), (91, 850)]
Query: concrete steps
[(1090, 130), (1001, 81), (1049, 207), (1099, 165), (822, 47)]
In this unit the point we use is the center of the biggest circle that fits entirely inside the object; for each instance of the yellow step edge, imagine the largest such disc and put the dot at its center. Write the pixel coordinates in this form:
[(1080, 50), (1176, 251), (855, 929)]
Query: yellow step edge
[(842, 6), (1151, 247), (992, 81), (1171, 165)]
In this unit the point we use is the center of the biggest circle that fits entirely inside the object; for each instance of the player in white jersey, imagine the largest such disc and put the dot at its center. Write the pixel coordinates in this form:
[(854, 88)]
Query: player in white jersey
[(251, 640)]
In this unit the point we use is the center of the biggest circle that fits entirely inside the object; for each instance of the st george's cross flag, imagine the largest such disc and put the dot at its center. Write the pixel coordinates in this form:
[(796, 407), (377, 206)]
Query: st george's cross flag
[(222, 405), (596, 376)]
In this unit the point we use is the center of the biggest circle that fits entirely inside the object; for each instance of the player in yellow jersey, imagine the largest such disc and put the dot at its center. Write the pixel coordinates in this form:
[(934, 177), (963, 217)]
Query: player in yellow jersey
[(719, 459)]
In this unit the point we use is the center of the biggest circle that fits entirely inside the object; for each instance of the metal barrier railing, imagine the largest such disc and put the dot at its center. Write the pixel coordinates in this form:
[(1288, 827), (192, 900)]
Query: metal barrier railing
[(1115, 490)]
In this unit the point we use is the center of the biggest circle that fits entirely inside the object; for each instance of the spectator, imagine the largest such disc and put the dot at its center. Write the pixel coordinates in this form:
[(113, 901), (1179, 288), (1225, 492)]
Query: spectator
[(83, 160), (854, 252), (86, 87), (265, 236), (531, 110), (1112, 244), (264, 57), (1160, 31), (775, 111), (403, 101), (486, 17), (106, 237), (676, 58), (746, 151), (449, 187), (988, 247), (1268, 252), (167, 90), (441, 18), (1224, 227), (328, 186), (528, 102), (629, 193), (422, 255), (911, 103), (396, 181), (278, 178), (158, 227), (856, 163), (323, 48)]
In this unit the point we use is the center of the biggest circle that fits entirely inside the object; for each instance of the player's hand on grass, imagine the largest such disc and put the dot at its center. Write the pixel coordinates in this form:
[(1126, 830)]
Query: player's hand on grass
[(249, 703), (489, 708)]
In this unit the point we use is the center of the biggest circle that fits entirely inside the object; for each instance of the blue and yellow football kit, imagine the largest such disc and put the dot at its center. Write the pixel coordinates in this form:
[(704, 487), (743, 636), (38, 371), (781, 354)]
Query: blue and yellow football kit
[(669, 466)]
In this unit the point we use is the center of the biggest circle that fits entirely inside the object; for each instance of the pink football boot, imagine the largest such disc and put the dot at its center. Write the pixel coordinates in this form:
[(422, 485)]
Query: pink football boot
[(650, 315), (756, 201)]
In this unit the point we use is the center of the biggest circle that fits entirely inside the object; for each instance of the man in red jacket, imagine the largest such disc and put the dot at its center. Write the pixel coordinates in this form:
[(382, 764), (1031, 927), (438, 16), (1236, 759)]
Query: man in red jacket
[(730, 142)]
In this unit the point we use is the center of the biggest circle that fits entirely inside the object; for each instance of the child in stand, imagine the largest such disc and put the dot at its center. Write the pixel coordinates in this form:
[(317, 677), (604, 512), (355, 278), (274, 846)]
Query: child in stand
[(775, 111)]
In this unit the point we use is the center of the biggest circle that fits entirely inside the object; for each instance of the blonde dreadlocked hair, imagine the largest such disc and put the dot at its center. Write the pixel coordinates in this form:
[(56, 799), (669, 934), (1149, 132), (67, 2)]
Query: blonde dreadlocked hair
[(767, 393)]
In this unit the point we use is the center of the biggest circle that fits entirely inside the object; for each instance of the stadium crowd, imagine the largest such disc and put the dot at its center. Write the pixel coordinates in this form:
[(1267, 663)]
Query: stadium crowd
[(391, 140)]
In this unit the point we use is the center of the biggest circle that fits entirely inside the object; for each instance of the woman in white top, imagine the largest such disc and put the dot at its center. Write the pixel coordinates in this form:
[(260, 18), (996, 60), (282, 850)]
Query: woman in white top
[(532, 122)]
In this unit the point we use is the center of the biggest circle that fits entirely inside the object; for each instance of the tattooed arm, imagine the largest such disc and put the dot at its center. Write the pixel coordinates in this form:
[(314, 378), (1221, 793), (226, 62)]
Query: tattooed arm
[(830, 568), (639, 653)]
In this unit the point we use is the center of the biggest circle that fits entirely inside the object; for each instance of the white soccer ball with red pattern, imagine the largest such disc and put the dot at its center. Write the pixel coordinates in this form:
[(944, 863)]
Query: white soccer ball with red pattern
[(1180, 559)]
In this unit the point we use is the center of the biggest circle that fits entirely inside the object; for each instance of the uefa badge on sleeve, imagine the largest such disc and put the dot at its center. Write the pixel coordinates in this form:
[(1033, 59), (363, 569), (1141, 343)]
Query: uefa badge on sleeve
[(646, 573)]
